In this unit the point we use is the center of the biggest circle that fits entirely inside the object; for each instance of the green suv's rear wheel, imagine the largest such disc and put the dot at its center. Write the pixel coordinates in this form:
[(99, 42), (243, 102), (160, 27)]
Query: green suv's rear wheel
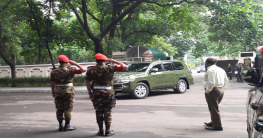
[(181, 86), (140, 91)]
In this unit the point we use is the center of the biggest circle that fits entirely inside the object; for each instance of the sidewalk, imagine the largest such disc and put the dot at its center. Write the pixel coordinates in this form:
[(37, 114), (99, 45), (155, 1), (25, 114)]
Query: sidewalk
[(82, 89)]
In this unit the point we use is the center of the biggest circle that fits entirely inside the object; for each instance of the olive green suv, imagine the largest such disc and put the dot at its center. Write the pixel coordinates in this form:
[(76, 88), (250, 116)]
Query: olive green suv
[(140, 78)]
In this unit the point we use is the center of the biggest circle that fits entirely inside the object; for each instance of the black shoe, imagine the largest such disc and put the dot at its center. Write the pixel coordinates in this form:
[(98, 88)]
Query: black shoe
[(100, 133), (214, 128), (69, 128), (61, 127), (109, 133), (209, 124)]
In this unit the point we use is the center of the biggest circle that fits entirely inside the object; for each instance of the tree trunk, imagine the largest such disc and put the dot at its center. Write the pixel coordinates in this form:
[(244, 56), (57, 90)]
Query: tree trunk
[(113, 17), (13, 74), (245, 48), (83, 22), (50, 54), (123, 34), (39, 54), (98, 46), (6, 58)]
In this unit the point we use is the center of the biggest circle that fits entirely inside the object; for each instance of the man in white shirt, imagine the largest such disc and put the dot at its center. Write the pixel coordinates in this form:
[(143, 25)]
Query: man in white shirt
[(214, 82)]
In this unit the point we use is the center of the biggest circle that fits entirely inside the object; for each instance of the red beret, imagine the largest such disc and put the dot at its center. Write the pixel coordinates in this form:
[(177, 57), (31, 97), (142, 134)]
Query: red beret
[(100, 56), (63, 58), (261, 50)]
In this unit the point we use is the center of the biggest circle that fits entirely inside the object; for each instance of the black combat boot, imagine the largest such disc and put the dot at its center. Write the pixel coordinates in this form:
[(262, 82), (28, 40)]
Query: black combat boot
[(68, 127), (101, 131), (61, 126), (108, 131)]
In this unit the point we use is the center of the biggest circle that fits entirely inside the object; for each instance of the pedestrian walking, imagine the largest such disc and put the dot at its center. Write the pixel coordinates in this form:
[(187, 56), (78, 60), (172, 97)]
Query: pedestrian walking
[(236, 73), (240, 72), (102, 94), (229, 68), (63, 90), (214, 82)]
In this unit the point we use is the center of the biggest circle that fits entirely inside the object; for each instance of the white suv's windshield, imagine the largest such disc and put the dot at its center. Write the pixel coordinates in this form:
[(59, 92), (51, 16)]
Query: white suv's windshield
[(137, 67)]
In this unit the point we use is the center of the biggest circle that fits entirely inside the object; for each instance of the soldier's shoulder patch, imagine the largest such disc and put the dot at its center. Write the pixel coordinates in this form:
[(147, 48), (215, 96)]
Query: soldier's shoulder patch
[(118, 66)]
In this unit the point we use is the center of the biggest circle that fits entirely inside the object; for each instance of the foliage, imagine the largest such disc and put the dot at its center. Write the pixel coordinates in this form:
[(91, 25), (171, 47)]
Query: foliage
[(235, 27), (204, 26), (192, 61), (160, 43)]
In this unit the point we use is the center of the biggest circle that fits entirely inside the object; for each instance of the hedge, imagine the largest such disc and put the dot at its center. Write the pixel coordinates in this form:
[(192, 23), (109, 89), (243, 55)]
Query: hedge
[(36, 81)]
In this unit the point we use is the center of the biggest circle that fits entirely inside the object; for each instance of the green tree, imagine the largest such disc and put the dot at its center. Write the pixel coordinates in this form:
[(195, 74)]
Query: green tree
[(11, 20), (235, 26), (108, 14), (42, 24)]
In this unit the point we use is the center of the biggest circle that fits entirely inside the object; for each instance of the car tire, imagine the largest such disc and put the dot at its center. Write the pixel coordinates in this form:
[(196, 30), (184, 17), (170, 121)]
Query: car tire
[(140, 91), (181, 86)]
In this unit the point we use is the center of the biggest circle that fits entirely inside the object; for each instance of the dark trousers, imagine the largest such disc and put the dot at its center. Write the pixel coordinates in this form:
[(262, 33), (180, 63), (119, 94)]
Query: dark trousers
[(213, 99), (239, 77), (230, 76)]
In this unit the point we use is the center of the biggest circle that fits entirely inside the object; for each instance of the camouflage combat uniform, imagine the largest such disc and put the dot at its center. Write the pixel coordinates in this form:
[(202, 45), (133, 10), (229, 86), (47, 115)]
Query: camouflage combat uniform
[(64, 95), (103, 100)]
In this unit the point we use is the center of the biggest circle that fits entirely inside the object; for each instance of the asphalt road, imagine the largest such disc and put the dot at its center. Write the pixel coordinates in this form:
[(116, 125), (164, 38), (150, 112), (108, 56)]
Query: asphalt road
[(162, 114)]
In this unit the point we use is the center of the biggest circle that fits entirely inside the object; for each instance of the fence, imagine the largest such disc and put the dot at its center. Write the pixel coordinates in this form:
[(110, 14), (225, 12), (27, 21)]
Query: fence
[(44, 61)]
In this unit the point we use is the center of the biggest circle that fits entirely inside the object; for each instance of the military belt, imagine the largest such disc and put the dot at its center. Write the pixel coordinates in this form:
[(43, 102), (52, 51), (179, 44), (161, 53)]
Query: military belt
[(102, 87), (68, 84)]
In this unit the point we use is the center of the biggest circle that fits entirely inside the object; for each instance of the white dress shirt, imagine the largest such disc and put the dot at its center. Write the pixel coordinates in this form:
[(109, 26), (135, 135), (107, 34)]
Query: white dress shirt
[(214, 77)]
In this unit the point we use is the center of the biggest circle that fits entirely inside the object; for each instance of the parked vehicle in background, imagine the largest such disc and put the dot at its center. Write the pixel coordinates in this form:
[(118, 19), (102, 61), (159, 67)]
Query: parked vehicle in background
[(142, 77), (246, 58), (255, 101), (200, 69)]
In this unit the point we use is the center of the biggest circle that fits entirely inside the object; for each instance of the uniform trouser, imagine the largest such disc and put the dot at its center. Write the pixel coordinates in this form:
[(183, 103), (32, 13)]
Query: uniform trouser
[(213, 99), (230, 76), (64, 105), (103, 115), (103, 103), (238, 77)]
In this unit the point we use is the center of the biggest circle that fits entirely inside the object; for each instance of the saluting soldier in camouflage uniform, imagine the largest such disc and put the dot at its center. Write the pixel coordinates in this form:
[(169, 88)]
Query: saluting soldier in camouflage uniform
[(103, 95), (63, 90)]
